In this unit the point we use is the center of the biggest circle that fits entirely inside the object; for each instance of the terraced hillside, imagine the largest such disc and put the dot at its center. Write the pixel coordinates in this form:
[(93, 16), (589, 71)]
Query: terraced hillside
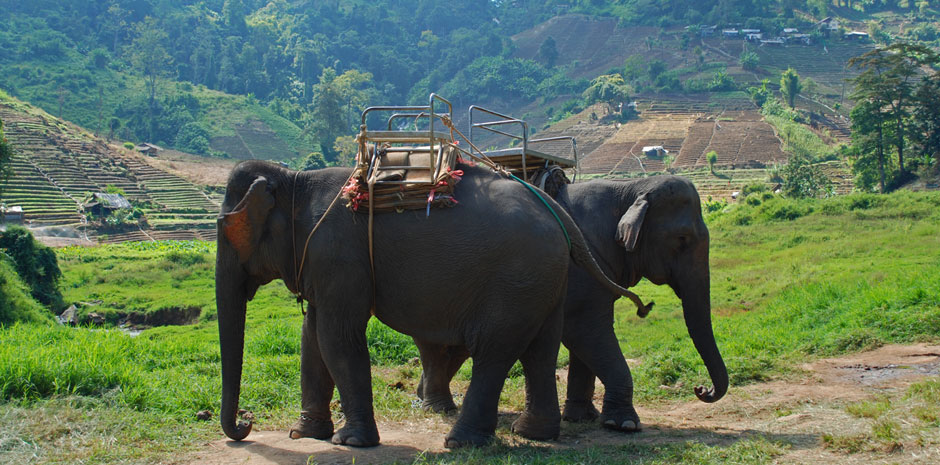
[(689, 127), (56, 166)]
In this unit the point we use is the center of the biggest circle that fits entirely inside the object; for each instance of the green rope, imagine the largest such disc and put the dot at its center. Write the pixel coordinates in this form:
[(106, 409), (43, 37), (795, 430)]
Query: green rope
[(529, 186)]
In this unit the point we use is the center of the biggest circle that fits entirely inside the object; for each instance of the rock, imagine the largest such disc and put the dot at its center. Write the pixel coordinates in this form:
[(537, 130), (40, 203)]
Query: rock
[(204, 415), (68, 317), (95, 319), (794, 417)]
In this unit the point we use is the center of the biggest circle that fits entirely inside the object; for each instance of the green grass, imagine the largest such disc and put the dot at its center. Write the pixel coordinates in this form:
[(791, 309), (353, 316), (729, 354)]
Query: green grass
[(831, 276)]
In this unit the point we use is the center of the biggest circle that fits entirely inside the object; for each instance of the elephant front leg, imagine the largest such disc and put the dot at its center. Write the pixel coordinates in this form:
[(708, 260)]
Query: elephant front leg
[(316, 387), (440, 363), (579, 402), (346, 354), (595, 344)]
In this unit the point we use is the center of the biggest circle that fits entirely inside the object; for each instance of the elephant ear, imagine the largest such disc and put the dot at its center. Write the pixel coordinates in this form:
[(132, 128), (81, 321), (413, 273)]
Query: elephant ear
[(244, 225), (628, 229)]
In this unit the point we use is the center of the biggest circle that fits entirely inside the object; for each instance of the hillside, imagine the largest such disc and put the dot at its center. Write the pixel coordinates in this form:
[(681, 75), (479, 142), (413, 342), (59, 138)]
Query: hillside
[(57, 166)]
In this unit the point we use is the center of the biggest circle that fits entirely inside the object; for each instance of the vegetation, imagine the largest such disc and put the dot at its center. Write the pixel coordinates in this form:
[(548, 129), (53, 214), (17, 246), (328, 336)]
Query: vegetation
[(790, 86), (6, 157), (891, 89), (712, 158), (35, 263), (797, 290), (803, 179)]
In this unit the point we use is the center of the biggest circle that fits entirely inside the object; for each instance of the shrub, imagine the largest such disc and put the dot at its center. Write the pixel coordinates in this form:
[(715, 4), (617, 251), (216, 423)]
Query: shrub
[(35, 263), (16, 303), (801, 179), (129, 145)]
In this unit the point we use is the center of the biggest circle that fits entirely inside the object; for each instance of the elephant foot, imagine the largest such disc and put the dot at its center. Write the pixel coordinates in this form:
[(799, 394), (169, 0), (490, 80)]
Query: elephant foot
[(307, 427), (443, 405), (537, 427), (462, 437), (579, 411), (626, 420), (357, 436)]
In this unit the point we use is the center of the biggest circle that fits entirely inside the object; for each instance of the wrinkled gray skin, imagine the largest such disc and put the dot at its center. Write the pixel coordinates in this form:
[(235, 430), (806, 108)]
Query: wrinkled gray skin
[(488, 275), (649, 228)]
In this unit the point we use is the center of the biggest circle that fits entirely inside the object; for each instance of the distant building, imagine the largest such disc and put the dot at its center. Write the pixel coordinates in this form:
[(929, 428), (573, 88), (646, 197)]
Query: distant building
[(772, 42), (707, 31), (148, 149), (103, 204), (790, 30), (804, 39), (750, 31), (730, 33), (14, 213), (754, 37), (855, 35), (655, 151)]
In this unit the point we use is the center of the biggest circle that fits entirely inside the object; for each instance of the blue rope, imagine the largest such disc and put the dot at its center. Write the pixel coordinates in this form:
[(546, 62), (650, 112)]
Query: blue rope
[(560, 223)]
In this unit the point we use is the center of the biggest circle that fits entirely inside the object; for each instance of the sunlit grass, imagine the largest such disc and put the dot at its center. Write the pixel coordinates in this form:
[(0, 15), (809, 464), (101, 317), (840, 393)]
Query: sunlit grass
[(845, 275)]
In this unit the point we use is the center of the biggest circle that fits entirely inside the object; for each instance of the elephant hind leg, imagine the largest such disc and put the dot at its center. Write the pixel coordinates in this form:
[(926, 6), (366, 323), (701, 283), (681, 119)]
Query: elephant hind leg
[(579, 402), (440, 364), (541, 419)]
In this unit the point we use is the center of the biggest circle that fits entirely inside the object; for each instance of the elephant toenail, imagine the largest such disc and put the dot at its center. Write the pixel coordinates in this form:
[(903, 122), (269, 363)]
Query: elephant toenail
[(628, 425), (354, 441), (610, 423)]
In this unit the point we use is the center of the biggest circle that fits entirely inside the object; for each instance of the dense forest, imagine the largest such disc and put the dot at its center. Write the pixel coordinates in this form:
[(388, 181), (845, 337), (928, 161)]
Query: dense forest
[(156, 70)]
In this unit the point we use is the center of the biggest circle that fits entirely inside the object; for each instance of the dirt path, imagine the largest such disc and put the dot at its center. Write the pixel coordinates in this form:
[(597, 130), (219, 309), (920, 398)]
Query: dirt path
[(796, 413)]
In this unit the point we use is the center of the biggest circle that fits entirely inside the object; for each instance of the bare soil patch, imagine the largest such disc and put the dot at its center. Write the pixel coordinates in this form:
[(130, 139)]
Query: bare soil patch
[(202, 171), (795, 412)]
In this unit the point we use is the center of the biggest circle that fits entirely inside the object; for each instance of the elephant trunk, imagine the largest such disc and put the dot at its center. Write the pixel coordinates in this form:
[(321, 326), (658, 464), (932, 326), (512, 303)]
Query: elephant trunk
[(696, 308), (231, 303)]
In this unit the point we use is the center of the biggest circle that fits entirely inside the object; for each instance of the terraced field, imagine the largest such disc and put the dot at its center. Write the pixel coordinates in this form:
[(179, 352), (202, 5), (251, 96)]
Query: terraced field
[(57, 166), (690, 127)]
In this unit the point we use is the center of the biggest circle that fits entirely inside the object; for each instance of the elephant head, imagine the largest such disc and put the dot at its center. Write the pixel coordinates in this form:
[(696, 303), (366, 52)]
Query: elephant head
[(665, 240), (244, 262)]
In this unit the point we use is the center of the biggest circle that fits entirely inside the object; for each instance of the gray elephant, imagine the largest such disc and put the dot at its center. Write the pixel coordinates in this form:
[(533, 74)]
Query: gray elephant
[(649, 228), (488, 274)]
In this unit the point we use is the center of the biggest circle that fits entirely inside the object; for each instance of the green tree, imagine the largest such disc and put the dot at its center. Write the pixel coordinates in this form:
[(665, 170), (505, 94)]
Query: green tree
[(337, 101), (802, 179), (926, 117), (761, 94), (790, 86), (889, 79), (712, 158), (548, 53), (607, 88), (313, 161), (749, 60), (150, 58), (6, 158)]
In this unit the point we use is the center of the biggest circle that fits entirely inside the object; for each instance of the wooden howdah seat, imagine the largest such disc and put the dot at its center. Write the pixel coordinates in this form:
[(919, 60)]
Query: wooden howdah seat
[(404, 169)]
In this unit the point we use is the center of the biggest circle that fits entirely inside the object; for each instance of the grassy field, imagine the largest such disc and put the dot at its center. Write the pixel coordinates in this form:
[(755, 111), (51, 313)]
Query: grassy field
[(791, 281)]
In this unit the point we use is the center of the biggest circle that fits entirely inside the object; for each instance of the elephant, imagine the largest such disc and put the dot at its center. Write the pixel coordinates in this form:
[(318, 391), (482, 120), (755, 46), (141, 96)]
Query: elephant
[(648, 228), (487, 274)]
